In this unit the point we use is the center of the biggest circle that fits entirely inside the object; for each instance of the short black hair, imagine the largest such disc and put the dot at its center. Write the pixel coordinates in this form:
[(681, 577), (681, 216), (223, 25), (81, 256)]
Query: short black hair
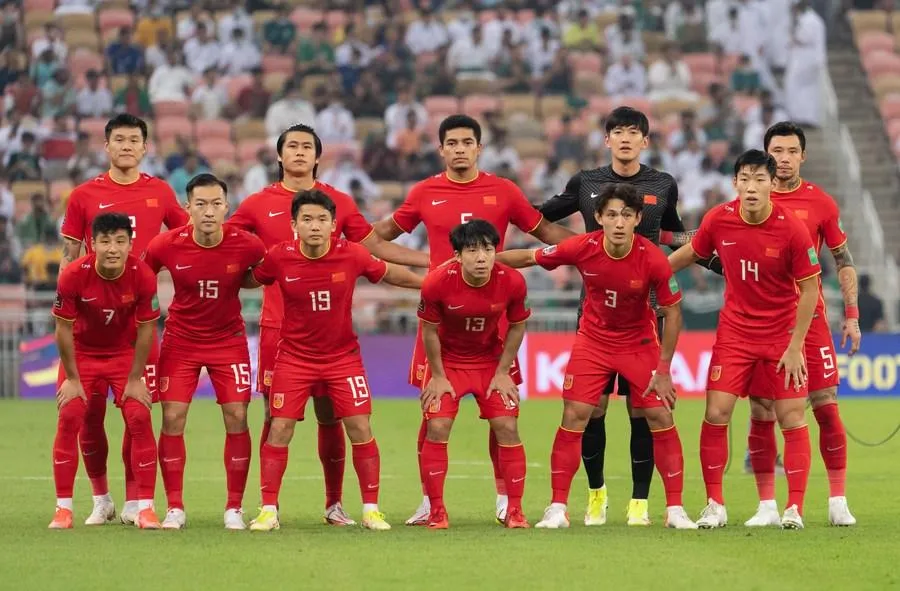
[(755, 159), (312, 197), (299, 128), (624, 191), (459, 122), (110, 223), (475, 232), (205, 180), (627, 117), (785, 128), (125, 120)]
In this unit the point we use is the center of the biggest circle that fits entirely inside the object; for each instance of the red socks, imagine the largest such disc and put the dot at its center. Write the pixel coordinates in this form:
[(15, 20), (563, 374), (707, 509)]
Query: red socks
[(433, 465), (65, 447), (332, 454), (796, 464), (273, 462), (420, 442), (763, 451), (264, 434), (172, 458), (833, 445), (494, 452), (367, 463), (713, 457), (564, 462), (511, 459), (669, 460), (94, 444), (143, 447), (238, 448)]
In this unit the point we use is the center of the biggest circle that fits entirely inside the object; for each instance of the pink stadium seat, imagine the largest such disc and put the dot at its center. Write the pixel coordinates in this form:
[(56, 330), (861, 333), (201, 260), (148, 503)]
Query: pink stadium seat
[(278, 63), (636, 102), (877, 63), (219, 129), (237, 84), (171, 108), (94, 127), (525, 16), (893, 129), (214, 149), (875, 41), (553, 128), (247, 150), (742, 103), (115, 18), (890, 107), (426, 59), (700, 81), (336, 19), (59, 189), (486, 16), (81, 60), (441, 104), (700, 62), (477, 105), (39, 5), (586, 61), (168, 128), (717, 150), (601, 105), (729, 64), (305, 18)]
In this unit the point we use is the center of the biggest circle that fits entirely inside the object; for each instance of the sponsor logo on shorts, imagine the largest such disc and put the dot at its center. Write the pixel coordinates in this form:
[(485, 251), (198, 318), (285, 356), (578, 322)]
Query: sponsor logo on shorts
[(277, 400), (715, 372), (567, 384), (164, 384), (267, 377)]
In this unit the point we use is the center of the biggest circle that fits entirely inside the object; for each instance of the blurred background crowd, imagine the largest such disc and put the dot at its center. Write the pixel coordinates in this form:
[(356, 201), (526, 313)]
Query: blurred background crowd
[(219, 80)]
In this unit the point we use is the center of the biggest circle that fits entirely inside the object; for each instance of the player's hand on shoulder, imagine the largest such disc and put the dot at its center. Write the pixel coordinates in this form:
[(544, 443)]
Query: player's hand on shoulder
[(69, 391), (433, 392), (504, 386), (137, 389), (661, 386)]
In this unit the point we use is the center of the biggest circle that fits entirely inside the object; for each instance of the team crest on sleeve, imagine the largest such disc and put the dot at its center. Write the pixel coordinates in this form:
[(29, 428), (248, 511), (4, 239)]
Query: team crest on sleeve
[(715, 372), (567, 383), (673, 285), (278, 400), (164, 384), (548, 250), (813, 256)]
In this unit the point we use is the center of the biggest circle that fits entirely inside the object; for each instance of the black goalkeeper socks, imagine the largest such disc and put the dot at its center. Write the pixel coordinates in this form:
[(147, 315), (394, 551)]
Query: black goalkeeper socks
[(593, 451), (641, 458)]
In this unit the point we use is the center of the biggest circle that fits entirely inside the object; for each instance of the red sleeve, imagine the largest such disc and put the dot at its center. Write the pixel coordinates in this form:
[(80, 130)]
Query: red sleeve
[(409, 214), (355, 227), (266, 272), (668, 293), (370, 266), (256, 250), (517, 309), (67, 292), (703, 242), (831, 224), (176, 216), (430, 306), (152, 257), (146, 307), (564, 253), (804, 260), (521, 213), (243, 217), (74, 220)]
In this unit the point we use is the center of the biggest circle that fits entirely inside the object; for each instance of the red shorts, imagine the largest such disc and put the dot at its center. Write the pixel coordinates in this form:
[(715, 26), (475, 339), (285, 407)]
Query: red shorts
[(419, 363), (99, 375), (265, 367), (821, 361), (344, 383), (227, 364), (474, 381), (743, 368), (591, 368)]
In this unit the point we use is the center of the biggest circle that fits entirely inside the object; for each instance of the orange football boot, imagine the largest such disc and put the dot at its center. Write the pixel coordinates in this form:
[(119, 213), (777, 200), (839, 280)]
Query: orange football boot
[(438, 518), (147, 519), (62, 519), (515, 519)]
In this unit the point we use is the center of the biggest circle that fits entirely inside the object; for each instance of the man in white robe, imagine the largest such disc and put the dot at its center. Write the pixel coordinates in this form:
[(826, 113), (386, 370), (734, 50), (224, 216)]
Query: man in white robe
[(806, 61)]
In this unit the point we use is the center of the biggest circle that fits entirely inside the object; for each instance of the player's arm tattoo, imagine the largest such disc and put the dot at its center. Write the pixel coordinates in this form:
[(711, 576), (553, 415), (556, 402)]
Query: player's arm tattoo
[(846, 269), (71, 251), (676, 240), (681, 238)]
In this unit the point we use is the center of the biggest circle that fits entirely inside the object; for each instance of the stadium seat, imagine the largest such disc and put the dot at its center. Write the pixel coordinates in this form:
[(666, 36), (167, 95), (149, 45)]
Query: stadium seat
[(877, 63), (305, 17), (636, 102), (311, 83), (218, 129), (82, 38), (890, 107), (475, 86), (426, 59), (588, 83), (885, 85), (366, 126), (553, 128), (31, 6), (115, 18), (34, 20), (523, 126), (668, 107), (81, 60), (525, 16), (700, 62), (875, 41), (23, 190), (278, 63), (554, 106), (236, 85), (76, 20), (392, 191), (477, 105), (249, 129), (742, 103), (700, 81), (171, 108), (586, 61), (441, 104), (532, 148), (57, 149), (893, 129), (59, 190), (168, 128), (261, 17), (519, 103), (214, 149), (274, 82), (868, 20), (249, 148)]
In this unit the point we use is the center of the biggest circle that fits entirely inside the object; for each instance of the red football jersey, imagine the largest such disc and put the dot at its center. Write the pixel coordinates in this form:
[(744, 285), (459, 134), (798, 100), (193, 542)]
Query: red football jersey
[(762, 264), (207, 304), (469, 317), (149, 202), (442, 204), (821, 216), (106, 311), (319, 294), (268, 215), (617, 311)]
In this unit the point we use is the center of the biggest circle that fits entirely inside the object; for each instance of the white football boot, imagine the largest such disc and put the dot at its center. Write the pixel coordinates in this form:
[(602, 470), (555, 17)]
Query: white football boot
[(766, 516), (713, 515), (555, 517)]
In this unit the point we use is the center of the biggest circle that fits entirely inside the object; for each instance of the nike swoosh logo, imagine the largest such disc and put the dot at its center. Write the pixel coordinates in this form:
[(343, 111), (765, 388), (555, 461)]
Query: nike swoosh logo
[(455, 307), (435, 473), (90, 453), (240, 459), (753, 452), (372, 486), (714, 467), (170, 460), (794, 471), (557, 471), (142, 465), (640, 461), (88, 299), (180, 268), (594, 195), (58, 462), (590, 274), (291, 279), (243, 389), (517, 480), (827, 448), (273, 214), (671, 475), (105, 205), (828, 375), (359, 403), (438, 202), (336, 460), (724, 243)]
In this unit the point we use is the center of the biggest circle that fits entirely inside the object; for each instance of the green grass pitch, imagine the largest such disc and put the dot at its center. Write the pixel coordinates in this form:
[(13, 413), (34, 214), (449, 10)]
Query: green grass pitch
[(475, 553)]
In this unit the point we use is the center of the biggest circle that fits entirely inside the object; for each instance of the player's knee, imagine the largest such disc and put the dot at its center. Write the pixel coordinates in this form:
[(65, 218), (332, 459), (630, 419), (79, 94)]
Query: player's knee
[(235, 417), (576, 415), (358, 429), (762, 409), (439, 430), (281, 432), (137, 418), (822, 397), (791, 413), (717, 415), (173, 420), (71, 416), (506, 429), (659, 418), (600, 409)]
